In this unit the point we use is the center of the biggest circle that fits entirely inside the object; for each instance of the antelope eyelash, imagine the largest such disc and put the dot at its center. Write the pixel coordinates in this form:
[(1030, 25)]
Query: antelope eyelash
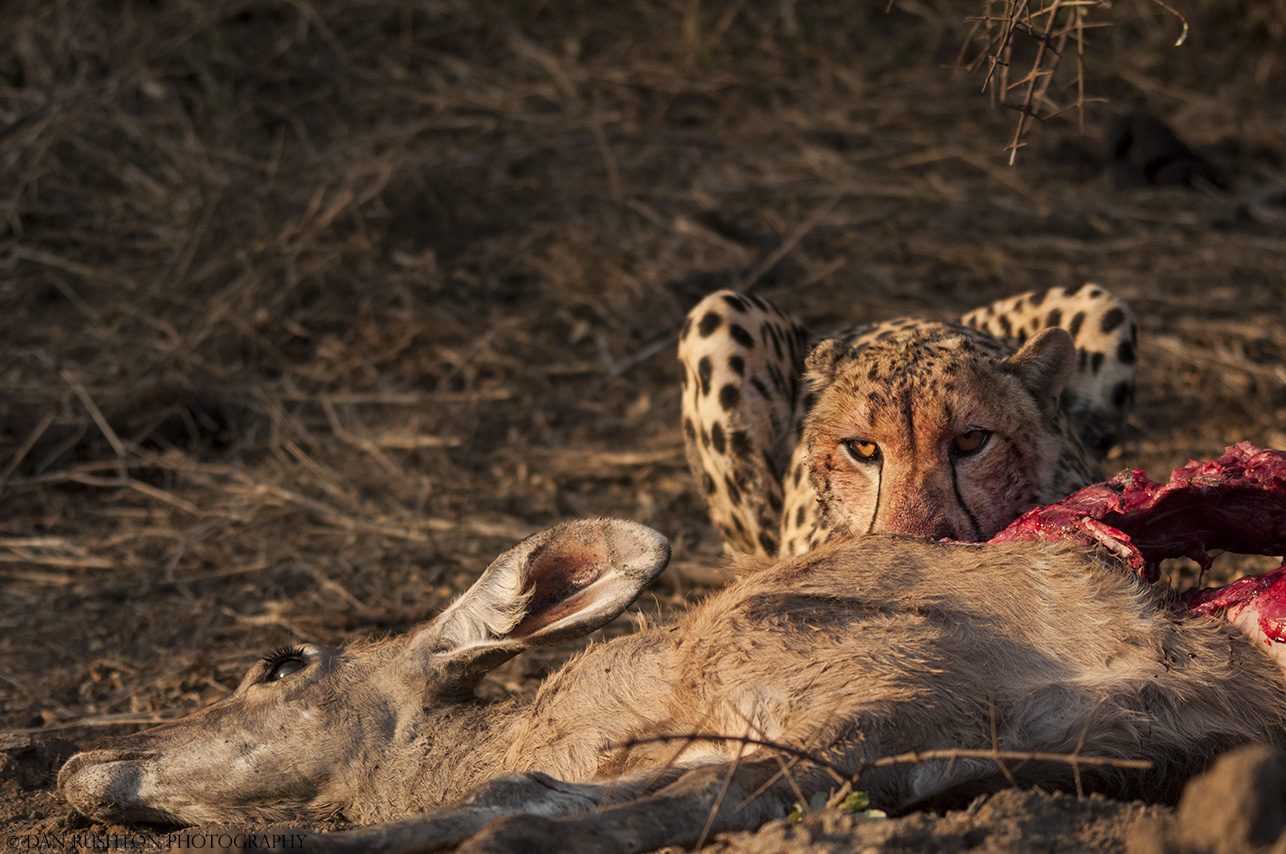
[(282, 653)]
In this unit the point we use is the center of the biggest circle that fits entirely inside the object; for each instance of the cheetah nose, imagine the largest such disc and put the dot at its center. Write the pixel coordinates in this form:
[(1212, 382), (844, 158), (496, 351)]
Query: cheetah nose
[(923, 523)]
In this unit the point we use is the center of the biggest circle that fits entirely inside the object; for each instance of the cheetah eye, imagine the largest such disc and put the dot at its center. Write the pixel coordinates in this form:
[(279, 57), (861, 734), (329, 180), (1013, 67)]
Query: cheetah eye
[(862, 450), (970, 442)]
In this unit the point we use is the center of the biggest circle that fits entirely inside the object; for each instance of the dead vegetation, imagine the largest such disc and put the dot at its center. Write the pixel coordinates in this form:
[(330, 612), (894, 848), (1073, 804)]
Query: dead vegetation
[(310, 309)]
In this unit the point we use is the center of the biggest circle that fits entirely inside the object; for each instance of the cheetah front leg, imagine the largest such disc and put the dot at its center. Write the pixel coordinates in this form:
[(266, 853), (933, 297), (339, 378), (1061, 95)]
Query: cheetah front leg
[(742, 361), (1098, 396)]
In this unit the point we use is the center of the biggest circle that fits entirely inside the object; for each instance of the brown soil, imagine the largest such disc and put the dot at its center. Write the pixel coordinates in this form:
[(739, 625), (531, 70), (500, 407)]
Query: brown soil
[(310, 309)]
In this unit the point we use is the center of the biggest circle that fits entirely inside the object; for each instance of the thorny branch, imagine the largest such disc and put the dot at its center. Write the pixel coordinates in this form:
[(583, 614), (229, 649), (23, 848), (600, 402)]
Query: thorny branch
[(1033, 35), (1036, 35)]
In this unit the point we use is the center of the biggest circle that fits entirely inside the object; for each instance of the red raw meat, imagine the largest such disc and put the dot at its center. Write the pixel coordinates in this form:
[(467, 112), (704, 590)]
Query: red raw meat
[(1256, 601), (1236, 503)]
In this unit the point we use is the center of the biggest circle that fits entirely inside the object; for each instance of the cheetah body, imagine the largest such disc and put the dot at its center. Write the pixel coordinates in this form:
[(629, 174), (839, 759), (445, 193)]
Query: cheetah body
[(940, 429)]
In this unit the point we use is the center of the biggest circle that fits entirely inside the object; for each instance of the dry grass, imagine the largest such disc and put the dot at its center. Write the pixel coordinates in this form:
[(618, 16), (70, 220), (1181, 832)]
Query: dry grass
[(310, 309)]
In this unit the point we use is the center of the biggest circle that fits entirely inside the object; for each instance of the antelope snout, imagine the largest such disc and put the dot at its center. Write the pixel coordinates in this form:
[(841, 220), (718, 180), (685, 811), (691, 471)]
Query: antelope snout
[(107, 784)]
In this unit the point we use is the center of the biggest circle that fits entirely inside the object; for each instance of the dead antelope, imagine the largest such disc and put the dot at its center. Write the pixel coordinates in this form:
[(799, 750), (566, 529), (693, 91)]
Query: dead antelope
[(858, 650)]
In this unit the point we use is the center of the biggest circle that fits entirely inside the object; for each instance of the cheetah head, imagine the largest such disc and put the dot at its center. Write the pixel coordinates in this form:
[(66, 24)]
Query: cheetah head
[(934, 433)]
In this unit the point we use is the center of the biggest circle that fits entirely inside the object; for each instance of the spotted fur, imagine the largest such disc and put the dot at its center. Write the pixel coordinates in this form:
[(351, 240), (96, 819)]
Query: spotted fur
[(968, 423)]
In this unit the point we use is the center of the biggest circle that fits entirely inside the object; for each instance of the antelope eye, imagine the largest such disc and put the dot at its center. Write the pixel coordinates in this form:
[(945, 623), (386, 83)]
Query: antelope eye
[(284, 662), (862, 451), (970, 442)]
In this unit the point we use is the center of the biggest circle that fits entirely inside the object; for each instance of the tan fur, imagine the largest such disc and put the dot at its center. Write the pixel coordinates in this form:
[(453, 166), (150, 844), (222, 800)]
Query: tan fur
[(918, 384), (861, 649)]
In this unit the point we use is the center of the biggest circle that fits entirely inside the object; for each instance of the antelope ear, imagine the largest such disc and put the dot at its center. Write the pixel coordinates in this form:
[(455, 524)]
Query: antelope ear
[(558, 584), (1044, 365), (824, 361)]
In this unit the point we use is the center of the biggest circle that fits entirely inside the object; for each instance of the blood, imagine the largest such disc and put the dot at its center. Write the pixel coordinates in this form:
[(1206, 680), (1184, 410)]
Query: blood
[(1258, 597), (1236, 503)]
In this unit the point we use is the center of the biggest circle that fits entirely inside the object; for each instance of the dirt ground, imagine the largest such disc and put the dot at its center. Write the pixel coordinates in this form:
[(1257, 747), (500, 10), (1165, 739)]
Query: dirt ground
[(309, 309)]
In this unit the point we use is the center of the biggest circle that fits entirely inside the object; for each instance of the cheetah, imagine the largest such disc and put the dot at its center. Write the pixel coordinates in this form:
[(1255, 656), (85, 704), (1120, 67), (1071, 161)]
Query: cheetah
[(930, 428)]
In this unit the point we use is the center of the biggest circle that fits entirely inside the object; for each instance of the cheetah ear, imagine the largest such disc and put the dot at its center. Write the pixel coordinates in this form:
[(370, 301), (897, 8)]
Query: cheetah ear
[(1044, 365), (823, 363)]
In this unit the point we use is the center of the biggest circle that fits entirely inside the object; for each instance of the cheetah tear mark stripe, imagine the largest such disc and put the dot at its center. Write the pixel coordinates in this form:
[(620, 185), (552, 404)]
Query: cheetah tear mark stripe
[(955, 489), (879, 491)]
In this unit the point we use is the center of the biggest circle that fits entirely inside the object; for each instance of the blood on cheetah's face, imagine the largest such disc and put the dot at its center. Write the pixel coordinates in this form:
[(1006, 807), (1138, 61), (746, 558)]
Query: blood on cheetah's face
[(924, 433)]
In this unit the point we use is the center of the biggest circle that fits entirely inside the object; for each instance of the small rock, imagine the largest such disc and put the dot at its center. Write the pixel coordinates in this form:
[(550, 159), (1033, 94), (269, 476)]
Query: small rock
[(1237, 807)]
